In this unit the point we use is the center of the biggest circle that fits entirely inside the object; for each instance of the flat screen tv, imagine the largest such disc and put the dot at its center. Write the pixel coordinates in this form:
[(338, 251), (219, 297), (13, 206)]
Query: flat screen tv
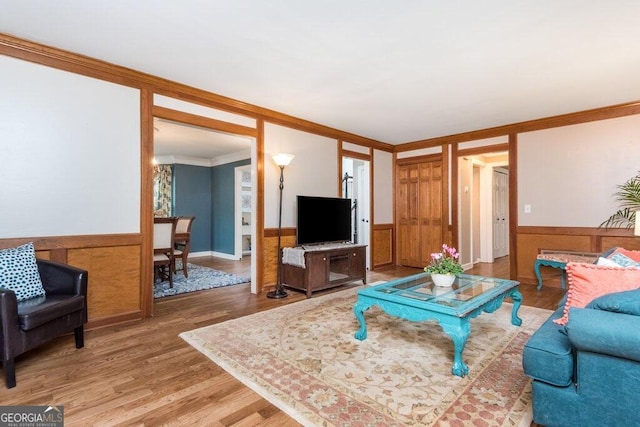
[(323, 220)]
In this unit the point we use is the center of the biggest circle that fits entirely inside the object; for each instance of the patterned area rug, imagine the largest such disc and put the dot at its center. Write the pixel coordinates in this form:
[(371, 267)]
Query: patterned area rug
[(304, 359), (200, 278)]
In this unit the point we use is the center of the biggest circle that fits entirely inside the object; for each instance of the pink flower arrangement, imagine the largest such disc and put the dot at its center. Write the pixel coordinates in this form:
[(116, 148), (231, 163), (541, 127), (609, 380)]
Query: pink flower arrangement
[(445, 262)]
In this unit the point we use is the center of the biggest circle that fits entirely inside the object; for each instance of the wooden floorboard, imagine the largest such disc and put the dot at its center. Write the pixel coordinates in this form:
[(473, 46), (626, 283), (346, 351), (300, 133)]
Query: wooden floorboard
[(142, 373)]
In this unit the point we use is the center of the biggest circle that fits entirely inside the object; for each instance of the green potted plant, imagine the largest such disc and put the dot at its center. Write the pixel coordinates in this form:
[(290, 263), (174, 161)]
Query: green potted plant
[(628, 195), (444, 266)]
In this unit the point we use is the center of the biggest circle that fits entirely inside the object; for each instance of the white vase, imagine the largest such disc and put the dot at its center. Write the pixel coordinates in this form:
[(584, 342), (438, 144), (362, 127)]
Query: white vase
[(443, 280)]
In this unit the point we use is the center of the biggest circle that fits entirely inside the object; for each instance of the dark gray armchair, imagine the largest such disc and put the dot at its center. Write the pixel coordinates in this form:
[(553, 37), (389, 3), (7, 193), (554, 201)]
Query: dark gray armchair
[(30, 323)]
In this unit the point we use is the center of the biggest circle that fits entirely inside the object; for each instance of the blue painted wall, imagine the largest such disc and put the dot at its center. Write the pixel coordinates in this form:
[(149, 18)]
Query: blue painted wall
[(192, 196), (207, 193), (223, 206)]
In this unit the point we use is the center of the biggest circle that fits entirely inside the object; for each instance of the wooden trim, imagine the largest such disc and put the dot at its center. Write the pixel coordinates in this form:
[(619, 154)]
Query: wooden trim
[(575, 231), (84, 65), (394, 178), (372, 245), (259, 248), (513, 205), (444, 201), (340, 169), (273, 232), (146, 202), (483, 150), (386, 226), (455, 183), (58, 255), (205, 122), (418, 159), (317, 129), (50, 243), (114, 320), (356, 155), (602, 113), (72, 62)]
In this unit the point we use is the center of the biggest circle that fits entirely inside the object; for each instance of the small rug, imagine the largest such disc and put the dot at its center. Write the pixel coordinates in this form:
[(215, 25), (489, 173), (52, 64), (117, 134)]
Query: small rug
[(304, 359), (200, 278)]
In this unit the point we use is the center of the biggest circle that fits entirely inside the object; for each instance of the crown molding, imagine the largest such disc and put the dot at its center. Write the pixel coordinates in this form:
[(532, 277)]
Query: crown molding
[(87, 66)]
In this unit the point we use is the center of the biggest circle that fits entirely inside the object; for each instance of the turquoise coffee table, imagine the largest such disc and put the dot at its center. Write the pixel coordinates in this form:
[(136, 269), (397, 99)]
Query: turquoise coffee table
[(416, 298)]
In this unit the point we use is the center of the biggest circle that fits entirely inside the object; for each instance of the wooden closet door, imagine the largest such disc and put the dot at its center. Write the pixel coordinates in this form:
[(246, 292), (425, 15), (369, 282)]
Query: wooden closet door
[(430, 210), (407, 211), (419, 212)]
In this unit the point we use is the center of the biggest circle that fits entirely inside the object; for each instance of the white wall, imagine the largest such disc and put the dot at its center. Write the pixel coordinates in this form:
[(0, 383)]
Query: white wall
[(69, 153), (355, 147), (483, 142), (312, 172), (383, 187), (568, 175)]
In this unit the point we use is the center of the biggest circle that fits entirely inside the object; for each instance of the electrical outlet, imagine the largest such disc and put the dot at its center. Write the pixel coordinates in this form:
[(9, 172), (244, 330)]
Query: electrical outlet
[(527, 208)]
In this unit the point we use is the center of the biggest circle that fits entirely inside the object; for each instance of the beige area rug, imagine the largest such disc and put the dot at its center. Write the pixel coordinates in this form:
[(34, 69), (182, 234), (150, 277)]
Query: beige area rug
[(304, 359)]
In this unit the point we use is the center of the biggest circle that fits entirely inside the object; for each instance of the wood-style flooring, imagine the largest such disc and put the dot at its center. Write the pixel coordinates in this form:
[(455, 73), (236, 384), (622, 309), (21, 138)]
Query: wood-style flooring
[(142, 373)]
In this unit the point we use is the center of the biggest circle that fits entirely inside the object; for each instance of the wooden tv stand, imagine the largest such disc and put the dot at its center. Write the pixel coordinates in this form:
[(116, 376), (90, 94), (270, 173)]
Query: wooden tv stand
[(326, 266)]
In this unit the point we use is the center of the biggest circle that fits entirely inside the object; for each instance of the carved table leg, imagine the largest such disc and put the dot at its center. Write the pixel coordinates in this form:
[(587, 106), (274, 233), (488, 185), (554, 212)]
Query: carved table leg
[(538, 275), (516, 296), (459, 335), (358, 309)]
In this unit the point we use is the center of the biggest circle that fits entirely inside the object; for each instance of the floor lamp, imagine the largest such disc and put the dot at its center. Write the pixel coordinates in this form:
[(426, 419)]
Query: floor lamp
[(281, 160)]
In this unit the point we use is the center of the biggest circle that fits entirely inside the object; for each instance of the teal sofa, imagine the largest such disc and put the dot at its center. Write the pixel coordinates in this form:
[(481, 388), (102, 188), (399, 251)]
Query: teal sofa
[(588, 372)]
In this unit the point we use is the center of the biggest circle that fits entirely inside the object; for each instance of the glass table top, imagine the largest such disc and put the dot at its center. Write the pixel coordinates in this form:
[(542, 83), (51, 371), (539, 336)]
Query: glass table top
[(467, 291)]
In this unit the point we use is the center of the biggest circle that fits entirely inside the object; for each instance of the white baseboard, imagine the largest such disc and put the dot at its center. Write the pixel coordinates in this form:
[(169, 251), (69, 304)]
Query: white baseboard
[(199, 254), (225, 256), (213, 253)]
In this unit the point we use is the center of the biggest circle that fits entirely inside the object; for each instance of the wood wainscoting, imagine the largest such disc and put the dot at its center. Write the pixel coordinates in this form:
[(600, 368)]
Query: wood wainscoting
[(531, 240), (113, 262), (383, 254), (270, 250)]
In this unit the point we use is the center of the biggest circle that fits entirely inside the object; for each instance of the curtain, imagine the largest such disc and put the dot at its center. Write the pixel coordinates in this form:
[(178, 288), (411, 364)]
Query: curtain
[(162, 190)]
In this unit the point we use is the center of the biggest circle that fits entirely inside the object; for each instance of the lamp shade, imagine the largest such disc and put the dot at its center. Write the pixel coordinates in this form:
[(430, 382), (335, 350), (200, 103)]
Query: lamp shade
[(636, 230), (282, 159)]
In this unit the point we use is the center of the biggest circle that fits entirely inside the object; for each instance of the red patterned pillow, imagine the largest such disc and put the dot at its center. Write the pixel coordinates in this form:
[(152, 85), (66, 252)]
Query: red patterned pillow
[(589, 281)]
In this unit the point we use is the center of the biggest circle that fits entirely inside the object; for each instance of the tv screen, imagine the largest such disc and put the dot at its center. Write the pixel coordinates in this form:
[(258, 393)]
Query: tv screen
[(323, 220)]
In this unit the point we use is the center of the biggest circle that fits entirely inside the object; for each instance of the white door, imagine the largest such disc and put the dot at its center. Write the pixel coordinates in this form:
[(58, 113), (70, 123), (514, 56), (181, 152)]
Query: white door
[(362, 186), (355, 186), (500, 213)]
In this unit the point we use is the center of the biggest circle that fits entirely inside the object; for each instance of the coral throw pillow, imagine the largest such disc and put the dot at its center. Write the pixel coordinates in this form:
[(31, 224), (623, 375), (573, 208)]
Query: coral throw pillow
[(634, 255), (589, 281)]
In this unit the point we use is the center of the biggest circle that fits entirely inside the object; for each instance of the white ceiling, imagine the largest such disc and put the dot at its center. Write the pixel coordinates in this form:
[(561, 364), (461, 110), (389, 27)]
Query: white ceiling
[(394, 71), (177, 142)]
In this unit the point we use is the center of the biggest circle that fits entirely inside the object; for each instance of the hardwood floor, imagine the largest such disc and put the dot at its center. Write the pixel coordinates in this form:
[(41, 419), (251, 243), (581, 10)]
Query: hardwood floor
[(144, 374)]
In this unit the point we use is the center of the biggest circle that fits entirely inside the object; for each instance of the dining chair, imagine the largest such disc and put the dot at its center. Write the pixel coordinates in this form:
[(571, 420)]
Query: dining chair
[(163, 248), (182, 241)]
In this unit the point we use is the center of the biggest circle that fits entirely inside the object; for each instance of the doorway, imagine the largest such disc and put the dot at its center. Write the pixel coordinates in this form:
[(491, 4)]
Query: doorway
[(500, 212), (483, 207), (204, 162), (356, 186)]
